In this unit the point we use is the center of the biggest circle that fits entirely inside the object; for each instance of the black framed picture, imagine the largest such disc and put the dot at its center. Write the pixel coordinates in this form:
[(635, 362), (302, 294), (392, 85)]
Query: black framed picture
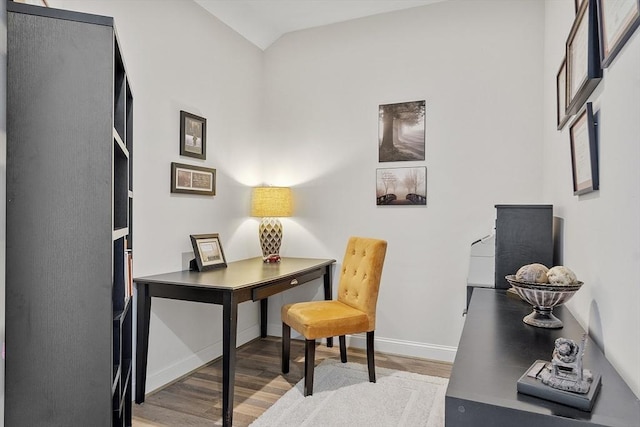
[(190, 179), (193, 135), (561, 95), (208, 252), (401, 186), (401, 131), (583, 57), (618, 21), (584, 152)]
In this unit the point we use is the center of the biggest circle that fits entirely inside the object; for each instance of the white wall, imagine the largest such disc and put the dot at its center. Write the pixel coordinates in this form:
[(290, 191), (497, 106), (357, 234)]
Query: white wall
[(478, 66), (602, 229)]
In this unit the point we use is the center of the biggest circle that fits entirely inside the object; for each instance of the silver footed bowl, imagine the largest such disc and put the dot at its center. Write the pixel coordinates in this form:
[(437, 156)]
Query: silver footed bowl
[(543, 297)]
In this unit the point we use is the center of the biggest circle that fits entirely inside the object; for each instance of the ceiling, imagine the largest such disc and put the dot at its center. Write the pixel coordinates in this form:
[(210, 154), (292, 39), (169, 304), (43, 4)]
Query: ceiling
[(263, 21)]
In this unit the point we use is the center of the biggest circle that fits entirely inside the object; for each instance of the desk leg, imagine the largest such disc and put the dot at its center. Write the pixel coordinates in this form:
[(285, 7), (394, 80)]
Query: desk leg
[(327, 293), (142, 339), (230, 327), (263, 317)]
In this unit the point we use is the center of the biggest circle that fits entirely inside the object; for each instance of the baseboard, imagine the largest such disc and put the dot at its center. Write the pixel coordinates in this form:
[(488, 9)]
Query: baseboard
[(384, 345), (184, 367), (407, 348), (389, 345)]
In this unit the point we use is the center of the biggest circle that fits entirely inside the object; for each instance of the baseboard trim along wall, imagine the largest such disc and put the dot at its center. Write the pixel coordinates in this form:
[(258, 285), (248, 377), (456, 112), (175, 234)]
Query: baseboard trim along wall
[(407, 348), (171, 373), (390, 345)]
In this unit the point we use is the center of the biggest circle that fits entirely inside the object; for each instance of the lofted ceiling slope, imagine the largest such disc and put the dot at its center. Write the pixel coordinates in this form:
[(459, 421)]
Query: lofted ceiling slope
[(262, 22)]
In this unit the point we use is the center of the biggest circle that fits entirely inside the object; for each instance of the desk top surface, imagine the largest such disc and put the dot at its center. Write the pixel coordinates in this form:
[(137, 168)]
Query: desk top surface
[(497, 347), (238, 274)]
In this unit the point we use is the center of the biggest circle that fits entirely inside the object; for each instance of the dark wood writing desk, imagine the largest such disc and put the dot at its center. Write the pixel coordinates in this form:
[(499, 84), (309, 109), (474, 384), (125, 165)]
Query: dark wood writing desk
[(240, 281), (497, 347)]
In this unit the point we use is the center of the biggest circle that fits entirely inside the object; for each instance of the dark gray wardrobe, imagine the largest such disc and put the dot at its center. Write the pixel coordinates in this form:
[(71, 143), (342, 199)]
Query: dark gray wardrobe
[(69, 198)]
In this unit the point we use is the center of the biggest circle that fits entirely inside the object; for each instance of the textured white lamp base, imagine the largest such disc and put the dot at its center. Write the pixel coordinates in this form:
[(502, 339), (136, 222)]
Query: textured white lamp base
[(270, 232)]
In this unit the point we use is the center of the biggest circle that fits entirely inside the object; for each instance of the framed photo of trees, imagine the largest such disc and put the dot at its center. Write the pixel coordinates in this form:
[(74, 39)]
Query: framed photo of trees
[(193, 135), (401, 186), (401, 131)]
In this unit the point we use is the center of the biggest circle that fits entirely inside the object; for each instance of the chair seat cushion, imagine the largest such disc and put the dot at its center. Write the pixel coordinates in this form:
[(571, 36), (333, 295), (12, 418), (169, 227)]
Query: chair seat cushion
[(321, 319)]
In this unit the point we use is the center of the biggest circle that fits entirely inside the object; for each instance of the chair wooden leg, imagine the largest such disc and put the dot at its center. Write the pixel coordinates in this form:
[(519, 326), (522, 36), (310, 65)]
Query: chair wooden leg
[(309, 359), (343, 349), (286, 347), (370, 358)]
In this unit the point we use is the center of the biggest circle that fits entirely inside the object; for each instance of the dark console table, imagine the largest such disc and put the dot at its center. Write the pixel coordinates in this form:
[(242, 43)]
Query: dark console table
[(245, 280), (496, 348)]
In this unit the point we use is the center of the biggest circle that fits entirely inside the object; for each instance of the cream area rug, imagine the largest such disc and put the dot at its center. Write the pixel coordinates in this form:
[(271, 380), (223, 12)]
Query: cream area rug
[(343, 396)]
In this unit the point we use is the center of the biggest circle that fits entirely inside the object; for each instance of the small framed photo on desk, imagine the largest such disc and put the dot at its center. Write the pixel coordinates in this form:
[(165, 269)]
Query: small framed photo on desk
[(208, 252)]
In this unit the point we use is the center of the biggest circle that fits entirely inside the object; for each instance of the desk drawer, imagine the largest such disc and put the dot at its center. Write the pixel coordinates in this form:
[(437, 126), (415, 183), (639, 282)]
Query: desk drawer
[(284, 284)]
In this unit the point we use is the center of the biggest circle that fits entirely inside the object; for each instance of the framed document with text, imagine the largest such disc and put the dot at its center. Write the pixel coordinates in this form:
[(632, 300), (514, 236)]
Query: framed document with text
[(584, 152), (561, 95), (618, 20), (583, 57)]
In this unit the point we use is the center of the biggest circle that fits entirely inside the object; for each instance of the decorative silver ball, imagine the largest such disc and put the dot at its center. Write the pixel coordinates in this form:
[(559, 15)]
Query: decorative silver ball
[(532, 273), (561, 275)]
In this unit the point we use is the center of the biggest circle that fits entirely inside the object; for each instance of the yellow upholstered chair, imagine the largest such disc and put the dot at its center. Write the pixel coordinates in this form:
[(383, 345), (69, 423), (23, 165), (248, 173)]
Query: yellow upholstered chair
[(353, 312)]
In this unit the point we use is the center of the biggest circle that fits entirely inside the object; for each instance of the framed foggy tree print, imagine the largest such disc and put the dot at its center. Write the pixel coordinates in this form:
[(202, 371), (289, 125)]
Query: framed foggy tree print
[(401, 186), (193, 135), (401, 131)]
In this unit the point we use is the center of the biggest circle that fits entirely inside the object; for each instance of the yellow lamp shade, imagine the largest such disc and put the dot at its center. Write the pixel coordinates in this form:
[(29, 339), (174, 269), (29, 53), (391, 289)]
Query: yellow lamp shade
[(271, 202)]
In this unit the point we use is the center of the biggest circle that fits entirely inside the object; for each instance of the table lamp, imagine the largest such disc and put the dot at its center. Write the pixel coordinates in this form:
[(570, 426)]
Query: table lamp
[(269, 203)]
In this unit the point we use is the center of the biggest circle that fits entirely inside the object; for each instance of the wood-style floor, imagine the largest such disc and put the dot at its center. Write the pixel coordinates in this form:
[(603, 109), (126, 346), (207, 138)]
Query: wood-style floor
[(196, 399)]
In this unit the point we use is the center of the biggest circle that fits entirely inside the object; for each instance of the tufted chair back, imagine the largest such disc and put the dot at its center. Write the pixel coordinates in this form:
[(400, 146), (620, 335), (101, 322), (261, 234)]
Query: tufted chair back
[(360, 276)]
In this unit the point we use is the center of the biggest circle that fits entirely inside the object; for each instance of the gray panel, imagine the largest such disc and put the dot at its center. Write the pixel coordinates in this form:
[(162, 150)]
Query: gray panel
[(59, 226), (523, 236)]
